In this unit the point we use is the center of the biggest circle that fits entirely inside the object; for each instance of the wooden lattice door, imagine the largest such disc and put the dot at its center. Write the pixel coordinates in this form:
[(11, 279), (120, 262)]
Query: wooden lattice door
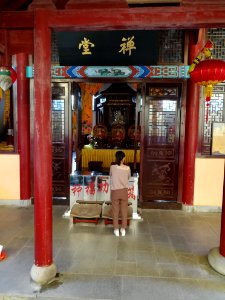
[(60, 143), (161, 144)]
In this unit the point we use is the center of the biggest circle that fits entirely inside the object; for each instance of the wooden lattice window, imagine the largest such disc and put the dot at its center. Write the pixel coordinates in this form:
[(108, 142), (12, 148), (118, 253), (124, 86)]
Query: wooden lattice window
[(216, 111), (58, 120), (171, 50), (162, 114), (217, 36)]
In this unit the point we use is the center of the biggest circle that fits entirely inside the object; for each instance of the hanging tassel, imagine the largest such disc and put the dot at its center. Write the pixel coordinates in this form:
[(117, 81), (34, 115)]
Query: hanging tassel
[(208, 94), (207, 109)]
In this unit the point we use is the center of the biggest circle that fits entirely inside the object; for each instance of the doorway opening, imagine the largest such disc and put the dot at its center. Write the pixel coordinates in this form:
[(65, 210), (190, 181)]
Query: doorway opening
[(141, 118)]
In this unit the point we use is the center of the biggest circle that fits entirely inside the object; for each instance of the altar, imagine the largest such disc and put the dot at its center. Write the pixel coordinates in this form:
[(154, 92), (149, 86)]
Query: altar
[(107, 156), (95, 189)]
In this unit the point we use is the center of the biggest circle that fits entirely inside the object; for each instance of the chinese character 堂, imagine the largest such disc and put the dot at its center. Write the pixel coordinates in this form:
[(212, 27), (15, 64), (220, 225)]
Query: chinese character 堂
[(86, 44)]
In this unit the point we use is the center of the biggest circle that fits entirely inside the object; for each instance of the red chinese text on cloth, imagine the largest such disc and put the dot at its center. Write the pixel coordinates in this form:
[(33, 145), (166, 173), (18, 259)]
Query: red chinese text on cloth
[(77, 189), (90, 188), (131, 193), (103, 187)]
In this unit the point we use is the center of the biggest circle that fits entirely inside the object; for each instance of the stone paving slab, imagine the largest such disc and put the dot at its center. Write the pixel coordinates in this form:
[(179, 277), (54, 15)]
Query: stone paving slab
[(163, 256)]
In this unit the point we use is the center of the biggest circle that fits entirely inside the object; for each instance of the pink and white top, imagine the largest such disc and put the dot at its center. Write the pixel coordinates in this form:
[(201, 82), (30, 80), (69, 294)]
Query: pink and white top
[(119, 176)]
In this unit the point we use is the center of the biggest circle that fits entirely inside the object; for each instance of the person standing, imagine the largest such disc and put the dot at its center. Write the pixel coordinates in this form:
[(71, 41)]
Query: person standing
[(119, 176)]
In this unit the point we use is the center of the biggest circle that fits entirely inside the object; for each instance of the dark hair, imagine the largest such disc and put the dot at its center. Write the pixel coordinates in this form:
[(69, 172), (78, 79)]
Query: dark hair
[(119, 156)]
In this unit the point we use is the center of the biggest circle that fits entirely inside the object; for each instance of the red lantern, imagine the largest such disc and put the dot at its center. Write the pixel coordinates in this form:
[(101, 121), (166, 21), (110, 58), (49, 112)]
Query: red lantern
[(208, 73)]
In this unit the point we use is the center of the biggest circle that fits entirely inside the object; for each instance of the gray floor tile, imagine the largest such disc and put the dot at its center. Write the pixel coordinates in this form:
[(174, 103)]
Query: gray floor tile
[(151, 288), (162, 256)]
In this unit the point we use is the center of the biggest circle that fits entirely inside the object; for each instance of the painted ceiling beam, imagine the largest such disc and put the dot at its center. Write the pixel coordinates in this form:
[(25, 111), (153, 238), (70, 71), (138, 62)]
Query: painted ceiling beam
[(135, 72)]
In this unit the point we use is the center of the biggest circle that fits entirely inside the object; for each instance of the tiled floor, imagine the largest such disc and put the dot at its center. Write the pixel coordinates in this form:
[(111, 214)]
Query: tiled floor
[(163, 256)]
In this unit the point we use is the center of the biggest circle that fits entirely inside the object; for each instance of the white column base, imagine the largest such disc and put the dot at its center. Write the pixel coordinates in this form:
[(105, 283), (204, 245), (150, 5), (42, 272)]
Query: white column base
[(216, 260), (43, 275)]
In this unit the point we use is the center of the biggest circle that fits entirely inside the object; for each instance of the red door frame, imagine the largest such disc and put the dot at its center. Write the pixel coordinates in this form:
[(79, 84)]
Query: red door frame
[(45, 20)]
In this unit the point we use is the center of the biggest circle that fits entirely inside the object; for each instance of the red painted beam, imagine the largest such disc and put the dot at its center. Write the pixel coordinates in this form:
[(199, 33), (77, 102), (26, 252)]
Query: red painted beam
[(202, 2), (186, 17), (17, 19), (21, 41), (139, 18), (14, 5), (89, 4)]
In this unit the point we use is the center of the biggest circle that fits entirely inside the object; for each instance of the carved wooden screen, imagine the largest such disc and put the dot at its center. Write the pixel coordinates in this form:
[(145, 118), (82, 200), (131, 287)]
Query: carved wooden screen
[(60, 164), (161, 136)]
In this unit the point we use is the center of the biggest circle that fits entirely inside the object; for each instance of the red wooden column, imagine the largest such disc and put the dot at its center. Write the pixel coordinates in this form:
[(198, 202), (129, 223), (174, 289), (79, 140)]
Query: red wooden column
[(191, 132), (6, 59), (44, 269), (216, 256), (23, 106), (222, 232)]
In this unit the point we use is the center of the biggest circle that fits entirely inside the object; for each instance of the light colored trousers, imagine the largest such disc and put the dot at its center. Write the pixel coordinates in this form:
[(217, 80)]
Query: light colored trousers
[(119, 200)]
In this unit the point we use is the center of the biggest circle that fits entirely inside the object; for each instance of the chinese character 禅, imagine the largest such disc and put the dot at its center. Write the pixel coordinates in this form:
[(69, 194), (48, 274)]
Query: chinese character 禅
[(128, 45)]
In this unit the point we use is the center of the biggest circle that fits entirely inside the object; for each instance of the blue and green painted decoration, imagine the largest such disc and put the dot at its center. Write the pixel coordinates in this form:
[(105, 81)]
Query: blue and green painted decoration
[(131, 72)]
